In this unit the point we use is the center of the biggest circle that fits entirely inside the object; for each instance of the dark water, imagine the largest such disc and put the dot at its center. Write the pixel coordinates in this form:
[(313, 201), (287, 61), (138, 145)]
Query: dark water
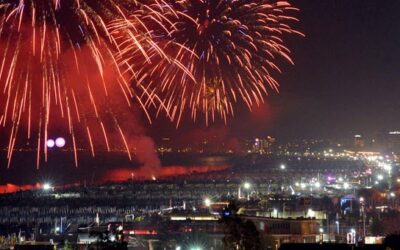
[(60, 167)]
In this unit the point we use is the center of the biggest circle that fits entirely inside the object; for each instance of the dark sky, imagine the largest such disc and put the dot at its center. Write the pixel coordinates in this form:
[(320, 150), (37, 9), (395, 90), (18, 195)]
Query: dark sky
[(345, 81)]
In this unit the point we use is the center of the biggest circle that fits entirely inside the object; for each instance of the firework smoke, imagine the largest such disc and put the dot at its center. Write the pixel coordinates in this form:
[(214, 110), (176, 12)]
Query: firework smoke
[(58, 72)]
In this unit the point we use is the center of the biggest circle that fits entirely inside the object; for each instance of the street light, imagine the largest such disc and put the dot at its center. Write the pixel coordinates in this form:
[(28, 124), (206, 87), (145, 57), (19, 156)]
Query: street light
[(337, 227), (207, 202), (246, 186), (46, 186), (276, 212), (283, 167), (321, 231), (310, 213), (353, 236)]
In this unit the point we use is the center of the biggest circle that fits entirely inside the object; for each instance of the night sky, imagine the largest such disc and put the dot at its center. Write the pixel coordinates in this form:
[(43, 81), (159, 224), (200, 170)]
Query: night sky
[(345, 81)]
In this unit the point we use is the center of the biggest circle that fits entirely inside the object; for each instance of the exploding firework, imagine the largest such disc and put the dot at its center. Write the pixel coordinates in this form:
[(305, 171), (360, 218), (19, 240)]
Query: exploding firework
[(58, 70), (231, 48), (151, 67)]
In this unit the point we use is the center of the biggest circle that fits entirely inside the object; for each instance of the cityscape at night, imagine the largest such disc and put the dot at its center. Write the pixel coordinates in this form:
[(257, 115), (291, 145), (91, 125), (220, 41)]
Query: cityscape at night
[(199, 124)]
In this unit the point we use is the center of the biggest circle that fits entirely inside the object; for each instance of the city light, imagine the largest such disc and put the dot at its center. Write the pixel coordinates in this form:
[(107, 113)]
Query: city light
[(337, 227), (247, 185), (392, 194), (310, 213), (283, 167), (207, 202), (330, 178), (380, 177), (46, 186), (387, 167), (353, 236)]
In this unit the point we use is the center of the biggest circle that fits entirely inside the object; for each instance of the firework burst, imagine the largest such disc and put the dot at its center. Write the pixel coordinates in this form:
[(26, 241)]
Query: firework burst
[(231, 49), (57, 70)]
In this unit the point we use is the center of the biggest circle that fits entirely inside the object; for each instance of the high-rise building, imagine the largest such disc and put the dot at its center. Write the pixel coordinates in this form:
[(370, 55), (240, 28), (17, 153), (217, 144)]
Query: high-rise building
[(263, 145)]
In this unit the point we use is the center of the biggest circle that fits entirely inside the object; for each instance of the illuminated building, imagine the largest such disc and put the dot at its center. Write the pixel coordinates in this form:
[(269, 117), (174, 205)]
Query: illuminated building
[(301, 230), (263, 145), (358, 141)]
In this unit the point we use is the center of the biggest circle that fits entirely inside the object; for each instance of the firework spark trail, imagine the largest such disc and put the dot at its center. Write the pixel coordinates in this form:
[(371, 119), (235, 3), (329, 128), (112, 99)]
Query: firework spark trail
[(230, 47), (139, 60), (55, 58)]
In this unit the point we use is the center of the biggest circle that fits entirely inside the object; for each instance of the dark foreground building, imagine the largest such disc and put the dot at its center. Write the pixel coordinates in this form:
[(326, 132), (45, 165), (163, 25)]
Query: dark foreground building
[(295, 246)]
